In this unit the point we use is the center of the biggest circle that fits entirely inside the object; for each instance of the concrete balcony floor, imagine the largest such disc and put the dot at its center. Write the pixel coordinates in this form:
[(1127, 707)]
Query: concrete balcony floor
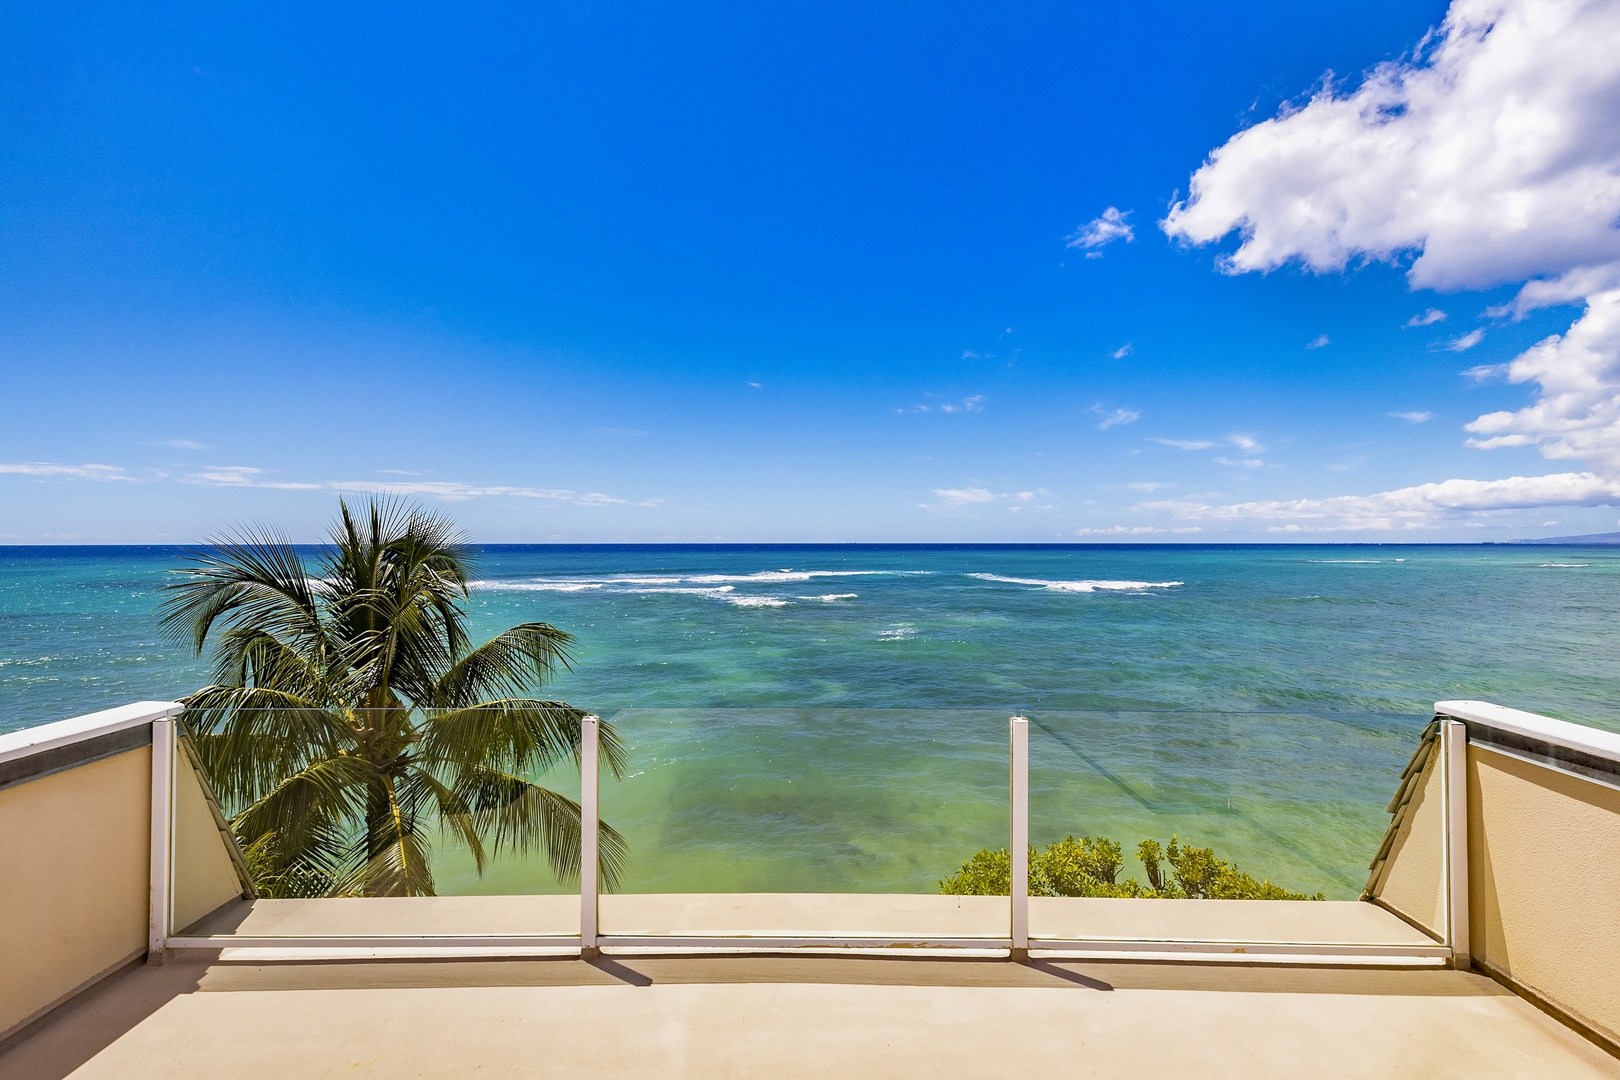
[(792, 1016)]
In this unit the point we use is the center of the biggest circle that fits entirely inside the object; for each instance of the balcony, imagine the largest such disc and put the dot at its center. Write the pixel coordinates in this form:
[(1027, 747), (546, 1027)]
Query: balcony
[(1486, 942)]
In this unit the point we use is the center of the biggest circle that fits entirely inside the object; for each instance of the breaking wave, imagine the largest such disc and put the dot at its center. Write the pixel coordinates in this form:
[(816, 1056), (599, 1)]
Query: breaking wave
[(1081, 586)]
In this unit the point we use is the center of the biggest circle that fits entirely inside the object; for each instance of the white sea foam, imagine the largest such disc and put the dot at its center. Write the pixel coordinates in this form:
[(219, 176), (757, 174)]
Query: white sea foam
[(832, 597), (1348, 560), (716, 591), (801, 575), (1549, 565), (898, 632), (757, 601), (534, 586), (1081, 586), (641, 583)]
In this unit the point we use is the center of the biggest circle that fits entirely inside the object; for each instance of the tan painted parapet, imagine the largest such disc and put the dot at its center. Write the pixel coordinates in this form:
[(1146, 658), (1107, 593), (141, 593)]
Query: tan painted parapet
[(76, 866), (1408, 875), (75, 854), (208, 869), (1544, 859)]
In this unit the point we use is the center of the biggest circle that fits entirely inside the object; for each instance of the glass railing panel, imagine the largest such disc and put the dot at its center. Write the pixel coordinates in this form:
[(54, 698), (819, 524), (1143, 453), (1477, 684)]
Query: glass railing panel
[(805, 823), (365, 824), (1258, 805)]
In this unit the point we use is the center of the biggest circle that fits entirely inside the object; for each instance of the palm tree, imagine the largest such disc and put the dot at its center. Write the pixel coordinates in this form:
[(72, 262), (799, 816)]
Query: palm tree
[(349, 713)]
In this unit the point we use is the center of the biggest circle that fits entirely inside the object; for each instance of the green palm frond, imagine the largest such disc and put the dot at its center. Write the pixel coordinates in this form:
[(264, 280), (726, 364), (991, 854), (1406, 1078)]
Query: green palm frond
[(250, 739), (524, 816), (520, 735), (350, 715), (257, 579), (455, 816), (506, 665)]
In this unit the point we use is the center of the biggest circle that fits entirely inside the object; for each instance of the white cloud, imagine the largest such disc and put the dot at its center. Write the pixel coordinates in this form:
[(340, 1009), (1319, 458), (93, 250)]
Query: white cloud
[(1490, 156), (449, 490), (1136, 530), (1320, 341), (1103, 230), (74, 472), (1493, 156), (1146, 485), (971, 403), (1422, 506), (1244, 442), (1428, 318), (1123, 351), (1417, 416), (1185, 444), (184, 444), (964, 496), (1576, 415), (1467, 341), (246, 476), (951, 498), (1240, 463), (1117, 417)]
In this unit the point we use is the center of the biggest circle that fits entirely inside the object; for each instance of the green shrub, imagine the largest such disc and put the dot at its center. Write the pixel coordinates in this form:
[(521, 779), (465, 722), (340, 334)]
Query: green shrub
[(1090, 867)]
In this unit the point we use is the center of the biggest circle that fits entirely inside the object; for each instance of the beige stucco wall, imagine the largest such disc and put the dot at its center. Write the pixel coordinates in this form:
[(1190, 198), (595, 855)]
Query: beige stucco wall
[(204, 875), (1413, 881), (1544, 883), (74, 875)]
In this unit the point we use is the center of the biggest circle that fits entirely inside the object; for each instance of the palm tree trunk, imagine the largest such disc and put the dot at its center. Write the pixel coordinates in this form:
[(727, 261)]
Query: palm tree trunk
[(377, 835)]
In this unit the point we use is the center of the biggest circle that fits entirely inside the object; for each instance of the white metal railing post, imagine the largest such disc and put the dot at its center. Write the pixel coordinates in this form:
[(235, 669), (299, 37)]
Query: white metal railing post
[(589, 820), (1454, 775), (162, 869), (1018, 762)]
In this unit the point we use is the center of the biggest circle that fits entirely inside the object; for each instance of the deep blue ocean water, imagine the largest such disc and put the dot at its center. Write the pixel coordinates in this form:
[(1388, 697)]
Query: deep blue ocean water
[(836, 717)]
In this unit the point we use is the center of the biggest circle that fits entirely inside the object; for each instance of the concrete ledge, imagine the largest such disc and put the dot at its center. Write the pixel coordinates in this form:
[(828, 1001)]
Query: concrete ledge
[(1277, 922)]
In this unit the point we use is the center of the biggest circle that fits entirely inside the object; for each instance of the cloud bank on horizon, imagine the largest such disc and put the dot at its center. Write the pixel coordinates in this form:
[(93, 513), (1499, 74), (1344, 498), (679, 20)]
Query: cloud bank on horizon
[(1488, 157)]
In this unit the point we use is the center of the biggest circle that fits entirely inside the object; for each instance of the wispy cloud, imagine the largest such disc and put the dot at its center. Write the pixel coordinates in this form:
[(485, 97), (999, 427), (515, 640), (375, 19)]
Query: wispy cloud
[(1136, 530), (971, 403), (1417, 416), (183, 444), (1424, 506), (1240, 463), (1146, 485), (1244, 442), (1185, 444), (1123, 351), (1428, 318), (72, 472), (1481, 372), (1115, 418), (1101, 231), (248, 476), (1466, 342), (1320, 341), (953, 498)]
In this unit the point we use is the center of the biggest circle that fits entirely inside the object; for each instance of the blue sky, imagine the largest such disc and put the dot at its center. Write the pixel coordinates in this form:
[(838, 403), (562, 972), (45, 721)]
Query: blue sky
[(767, 273)]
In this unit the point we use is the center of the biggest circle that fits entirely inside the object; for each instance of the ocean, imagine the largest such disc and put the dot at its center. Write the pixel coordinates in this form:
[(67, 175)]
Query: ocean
[(834, 718)]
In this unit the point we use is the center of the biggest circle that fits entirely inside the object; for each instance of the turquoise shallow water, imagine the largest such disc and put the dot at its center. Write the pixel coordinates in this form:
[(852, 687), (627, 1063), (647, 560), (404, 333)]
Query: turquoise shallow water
[(835, 718)]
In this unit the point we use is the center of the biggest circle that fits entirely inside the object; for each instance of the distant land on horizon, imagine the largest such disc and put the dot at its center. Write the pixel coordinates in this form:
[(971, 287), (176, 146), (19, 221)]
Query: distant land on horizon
[(1589, 538)]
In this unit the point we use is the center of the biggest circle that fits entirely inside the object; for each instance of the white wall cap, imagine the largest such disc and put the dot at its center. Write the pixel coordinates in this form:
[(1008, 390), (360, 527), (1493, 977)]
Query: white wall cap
[(1590, 740), (34, 740)]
